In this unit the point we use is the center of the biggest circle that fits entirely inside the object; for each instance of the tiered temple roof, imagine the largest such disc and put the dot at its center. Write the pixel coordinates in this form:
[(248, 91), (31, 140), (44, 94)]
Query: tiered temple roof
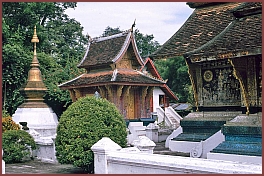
[(107, 50), (241, 37), (193, 33)]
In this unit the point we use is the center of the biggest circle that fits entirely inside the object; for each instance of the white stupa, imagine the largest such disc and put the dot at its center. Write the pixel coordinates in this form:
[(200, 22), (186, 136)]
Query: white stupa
[(38, 115)]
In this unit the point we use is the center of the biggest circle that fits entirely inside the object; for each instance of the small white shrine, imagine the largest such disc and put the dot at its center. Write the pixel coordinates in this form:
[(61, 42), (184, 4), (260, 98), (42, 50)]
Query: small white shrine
[(35, 114)]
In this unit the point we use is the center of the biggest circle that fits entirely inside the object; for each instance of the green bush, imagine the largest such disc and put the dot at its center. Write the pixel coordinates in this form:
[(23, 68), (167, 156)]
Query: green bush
[(84, 123), (9, 124), (16, 145), (5, 113)]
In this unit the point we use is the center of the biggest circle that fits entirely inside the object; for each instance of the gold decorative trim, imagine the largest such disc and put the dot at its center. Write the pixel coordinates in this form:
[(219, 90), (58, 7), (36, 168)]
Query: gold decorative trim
[(77, 93), (110, 92), (102, 91), (119, 91), (195, 95), (244, 92), (208, 75)]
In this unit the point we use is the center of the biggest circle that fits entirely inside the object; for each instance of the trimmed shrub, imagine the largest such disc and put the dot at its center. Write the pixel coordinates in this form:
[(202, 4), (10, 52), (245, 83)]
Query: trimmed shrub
[(9, 124), (5, 113), (16, 145), (83, 124)]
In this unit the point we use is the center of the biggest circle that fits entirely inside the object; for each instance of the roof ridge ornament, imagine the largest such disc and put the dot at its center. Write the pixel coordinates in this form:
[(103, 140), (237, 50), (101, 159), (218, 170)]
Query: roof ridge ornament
[(133, 25), (88, 36)]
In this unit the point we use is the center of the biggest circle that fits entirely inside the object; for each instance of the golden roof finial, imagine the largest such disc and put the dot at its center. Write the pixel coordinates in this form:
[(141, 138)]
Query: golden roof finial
[(35, 37)]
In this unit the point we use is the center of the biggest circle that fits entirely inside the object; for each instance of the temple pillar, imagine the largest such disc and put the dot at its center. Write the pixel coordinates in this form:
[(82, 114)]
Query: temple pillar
[(143, 101), (109, 93), (77, 93), (148, 99), (119, 93), (102, 91), (72, 95), (126, 100)]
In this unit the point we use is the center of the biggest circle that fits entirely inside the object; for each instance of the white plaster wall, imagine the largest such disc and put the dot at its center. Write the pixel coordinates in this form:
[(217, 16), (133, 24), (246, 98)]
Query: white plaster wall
[(110, 158), (143, 163), (156, 92), (232, 157)]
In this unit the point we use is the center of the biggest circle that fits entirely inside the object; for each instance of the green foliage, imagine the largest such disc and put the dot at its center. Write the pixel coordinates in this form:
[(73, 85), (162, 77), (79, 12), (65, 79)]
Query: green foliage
[(84, 123), (60, 38), (5, 114), (176, 71), (15, 66), (16, 145), (111, 31), (146, 43), (9, 124)]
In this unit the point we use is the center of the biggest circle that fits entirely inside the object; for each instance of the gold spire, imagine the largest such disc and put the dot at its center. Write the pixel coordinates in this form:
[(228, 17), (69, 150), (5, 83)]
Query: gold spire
[(34, 89), (35, 40), (35, 37)]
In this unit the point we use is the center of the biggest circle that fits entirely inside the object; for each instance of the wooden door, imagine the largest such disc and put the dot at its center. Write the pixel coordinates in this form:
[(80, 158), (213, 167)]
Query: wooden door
[(131, 105)]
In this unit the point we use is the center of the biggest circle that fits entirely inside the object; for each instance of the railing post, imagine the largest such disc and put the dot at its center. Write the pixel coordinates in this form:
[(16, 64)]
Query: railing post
[(100, 150), (152, 132), (144, 144), (3, 163)]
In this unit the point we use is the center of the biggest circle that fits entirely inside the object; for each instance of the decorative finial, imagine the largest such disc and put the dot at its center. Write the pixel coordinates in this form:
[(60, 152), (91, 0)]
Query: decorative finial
[(35, 37), (133, 25), (88, 36), (35, 40)]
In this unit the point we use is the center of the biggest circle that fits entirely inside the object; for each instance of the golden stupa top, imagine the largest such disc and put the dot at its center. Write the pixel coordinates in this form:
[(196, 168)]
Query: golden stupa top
[(34, 89)]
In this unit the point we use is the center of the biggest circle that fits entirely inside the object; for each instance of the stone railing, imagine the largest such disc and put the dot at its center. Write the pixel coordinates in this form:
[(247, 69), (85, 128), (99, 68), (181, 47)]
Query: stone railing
[(110, 158), (173, 113)]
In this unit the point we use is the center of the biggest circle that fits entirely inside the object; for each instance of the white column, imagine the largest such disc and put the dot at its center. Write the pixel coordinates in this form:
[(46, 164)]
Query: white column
[(100, 150)]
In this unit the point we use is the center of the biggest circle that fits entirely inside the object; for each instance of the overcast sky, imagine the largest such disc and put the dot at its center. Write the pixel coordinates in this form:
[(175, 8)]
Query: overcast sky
[(162, 19)]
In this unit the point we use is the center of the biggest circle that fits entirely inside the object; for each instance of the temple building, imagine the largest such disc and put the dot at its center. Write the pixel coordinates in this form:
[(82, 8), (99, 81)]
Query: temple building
[(222, 46), (115, 70)]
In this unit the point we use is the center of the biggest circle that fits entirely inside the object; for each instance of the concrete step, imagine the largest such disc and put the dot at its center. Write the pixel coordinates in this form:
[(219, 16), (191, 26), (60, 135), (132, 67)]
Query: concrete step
[(195, 137), (160, 149)]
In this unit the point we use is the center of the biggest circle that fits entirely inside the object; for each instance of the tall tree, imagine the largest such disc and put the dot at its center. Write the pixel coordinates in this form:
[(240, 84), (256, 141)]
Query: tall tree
[(176, 71)]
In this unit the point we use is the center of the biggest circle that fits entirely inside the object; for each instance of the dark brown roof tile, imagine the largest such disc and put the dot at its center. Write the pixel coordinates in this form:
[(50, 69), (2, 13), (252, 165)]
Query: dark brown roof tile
[(124, 76), (242, 37), (104, 50), (201, 27)]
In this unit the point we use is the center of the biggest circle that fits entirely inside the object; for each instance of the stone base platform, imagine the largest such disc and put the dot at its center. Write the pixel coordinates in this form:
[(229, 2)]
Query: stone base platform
[(43, 120)]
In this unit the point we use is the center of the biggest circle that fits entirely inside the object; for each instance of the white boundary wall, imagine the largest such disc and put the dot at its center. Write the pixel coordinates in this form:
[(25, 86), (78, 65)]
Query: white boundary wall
[(110, 158)]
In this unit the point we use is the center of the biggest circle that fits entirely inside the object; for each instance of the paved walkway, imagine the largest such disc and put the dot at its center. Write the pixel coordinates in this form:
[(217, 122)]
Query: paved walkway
[(38, 167)]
